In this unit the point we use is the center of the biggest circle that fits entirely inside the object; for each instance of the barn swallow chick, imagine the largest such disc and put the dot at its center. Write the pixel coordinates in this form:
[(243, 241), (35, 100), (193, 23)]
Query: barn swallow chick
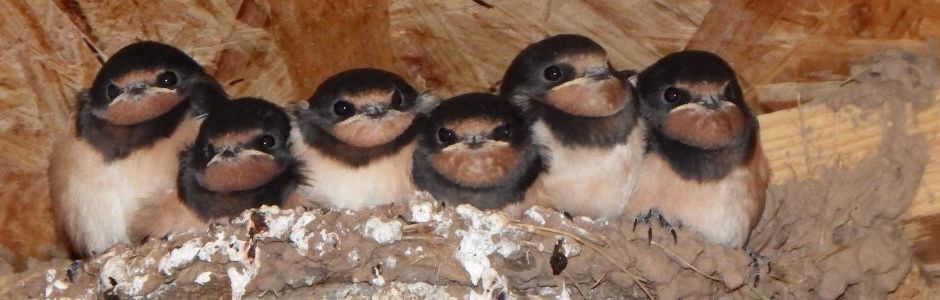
[(141, 110), (358, 134), (241, 159), (476, 149), (585, 117), (704, 169)]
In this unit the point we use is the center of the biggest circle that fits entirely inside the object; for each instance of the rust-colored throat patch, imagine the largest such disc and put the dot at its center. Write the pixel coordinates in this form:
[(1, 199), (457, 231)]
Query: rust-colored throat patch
[(485, 166), (247, 170), (133, 109), (695, 125), (589, 97), (364, 132)]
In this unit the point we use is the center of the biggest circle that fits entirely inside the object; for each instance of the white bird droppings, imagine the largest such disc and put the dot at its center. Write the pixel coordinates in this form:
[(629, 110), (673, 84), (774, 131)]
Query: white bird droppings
[(180, 256), (298, 233), (203, 278), (382, 232)]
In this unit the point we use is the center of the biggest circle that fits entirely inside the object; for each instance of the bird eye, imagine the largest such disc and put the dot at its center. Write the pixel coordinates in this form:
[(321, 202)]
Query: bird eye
[(344, 109), (553, 73), (672, 95), (210, 150), (267, 141), (167, 79), (446, 136), (398, 100), (113, 91), (501, 132)]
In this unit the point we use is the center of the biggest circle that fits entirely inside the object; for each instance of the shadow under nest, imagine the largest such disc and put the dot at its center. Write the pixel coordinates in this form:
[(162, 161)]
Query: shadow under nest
[(835, 235)]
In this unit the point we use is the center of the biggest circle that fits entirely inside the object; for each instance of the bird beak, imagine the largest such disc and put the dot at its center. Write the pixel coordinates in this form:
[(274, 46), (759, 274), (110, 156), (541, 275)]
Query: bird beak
[(595, 94), (235, 154), (710, 102), (709, 122), (139, 103), (374, 126), (139, 90), (238, 169), (475, 141), (376, 111), (597, 73), (477, 166)]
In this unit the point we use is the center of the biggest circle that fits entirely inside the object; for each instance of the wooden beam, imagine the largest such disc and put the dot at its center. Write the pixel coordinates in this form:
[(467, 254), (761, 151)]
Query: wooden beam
[(784, 95), (804, 141)]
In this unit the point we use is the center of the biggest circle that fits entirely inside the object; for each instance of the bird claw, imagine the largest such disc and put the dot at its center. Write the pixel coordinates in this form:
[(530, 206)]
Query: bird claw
[(74, 270), (757, 261), (648, 217)]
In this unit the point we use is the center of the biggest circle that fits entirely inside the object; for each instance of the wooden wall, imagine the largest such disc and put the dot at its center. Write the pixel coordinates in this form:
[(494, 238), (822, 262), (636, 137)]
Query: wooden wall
[(783, 50)]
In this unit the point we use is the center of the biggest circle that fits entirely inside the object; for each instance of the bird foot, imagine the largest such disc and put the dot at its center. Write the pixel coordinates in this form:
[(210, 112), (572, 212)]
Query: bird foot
[(74, 270), (653, 216), (757, 264)]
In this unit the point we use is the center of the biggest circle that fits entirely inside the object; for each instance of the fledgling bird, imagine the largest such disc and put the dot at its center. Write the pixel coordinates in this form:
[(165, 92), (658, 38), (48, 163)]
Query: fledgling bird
[(141, 110), (476, 149), (241, 159), (586, 117), (357, 133), (704, 169)]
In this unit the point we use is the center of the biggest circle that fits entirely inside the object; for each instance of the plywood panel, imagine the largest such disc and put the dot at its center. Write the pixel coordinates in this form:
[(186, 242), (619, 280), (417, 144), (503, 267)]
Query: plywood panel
[(320, 38), (811, 40), (461, 46)]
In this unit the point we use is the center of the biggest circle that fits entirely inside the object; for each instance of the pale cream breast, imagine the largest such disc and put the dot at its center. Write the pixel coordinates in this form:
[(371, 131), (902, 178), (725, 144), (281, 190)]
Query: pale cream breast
[(722, 211), (94, 199), (593, 182), (332, 183), (162, 215)]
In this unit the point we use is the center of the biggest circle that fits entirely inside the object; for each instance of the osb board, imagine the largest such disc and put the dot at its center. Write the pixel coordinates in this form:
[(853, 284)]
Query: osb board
[(812, 40), (281, 51), (461, 46)]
